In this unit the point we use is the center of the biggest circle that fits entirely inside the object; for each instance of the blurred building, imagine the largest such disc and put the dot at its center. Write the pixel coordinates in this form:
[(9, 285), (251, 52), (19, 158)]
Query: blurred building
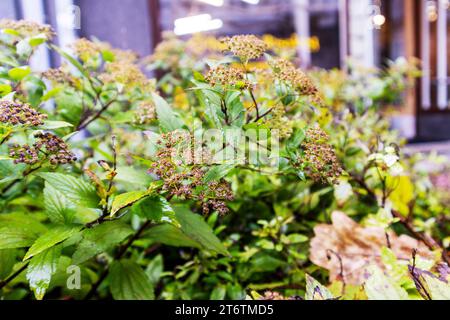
[(367, 31)]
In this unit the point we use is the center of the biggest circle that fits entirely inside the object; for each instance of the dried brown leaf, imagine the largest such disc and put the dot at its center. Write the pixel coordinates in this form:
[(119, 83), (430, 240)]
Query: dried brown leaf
[(346, 248)]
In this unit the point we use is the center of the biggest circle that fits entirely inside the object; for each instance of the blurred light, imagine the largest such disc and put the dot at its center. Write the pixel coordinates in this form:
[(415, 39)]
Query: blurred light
[(251, 1), (432, 11), (378, 20), (216, 3), (198, 23)]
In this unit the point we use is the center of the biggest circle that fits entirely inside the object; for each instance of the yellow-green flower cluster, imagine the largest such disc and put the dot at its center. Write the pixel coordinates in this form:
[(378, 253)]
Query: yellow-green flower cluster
[(59, 75), (319, 160), (287, 72), (246, 47), (85, 49), (145, 113), (127, 74), (227, 76), (26, 28), (279, 121)]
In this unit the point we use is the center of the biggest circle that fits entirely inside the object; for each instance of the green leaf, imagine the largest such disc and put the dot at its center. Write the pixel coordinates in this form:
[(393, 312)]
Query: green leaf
[(101, 239), (51, 238), (168, 120), (218, 293), (7, 262), (156, 208), (37, 40), (195, 227), (379, 287), (57, 207), (218, 172), (69, 104), (72, 60), (14, 234), (155, 269), (129, 282), (41, 269), (74, 189), (316, 291), (5, 89), (34, 88), (210, 99), (125, 200), (171, 236), (19, 73), (51, 125)]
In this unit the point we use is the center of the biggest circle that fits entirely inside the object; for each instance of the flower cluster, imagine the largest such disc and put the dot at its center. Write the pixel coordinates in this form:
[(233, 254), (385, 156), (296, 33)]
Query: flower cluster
[(319, 159), (188, 181), (227, 76), (127, 74), (59, 75), (279, 121), (145, 112), (16, 113), (246, 47), (168, 51), (127, 56), (24, 154), (53, 147), (28, 28), (86, 49), (214, 197), (287, 72)]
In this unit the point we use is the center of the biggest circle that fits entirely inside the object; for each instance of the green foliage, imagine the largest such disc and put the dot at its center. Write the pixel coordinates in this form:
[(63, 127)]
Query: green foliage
[(130, 282), (108, 181)]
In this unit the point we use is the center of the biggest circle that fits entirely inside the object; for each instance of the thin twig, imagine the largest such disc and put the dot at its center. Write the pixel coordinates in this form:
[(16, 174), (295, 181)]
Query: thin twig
[(13, 276), (341, 267), (81, 126)]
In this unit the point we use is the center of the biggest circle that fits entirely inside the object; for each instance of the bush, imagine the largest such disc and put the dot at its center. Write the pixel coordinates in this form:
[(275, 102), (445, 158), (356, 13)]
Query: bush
[(235, 175)]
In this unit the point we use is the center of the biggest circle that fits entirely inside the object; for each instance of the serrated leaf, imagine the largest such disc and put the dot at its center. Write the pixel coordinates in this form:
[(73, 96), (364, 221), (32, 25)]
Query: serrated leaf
[(171, 236), (168, 120), (57, 207), (156, 208), (41, 269), (129, 282), (51, 238), (316, 291), (100, 239), (195, 227), (125, 200), (74, 189), (15, 235)]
